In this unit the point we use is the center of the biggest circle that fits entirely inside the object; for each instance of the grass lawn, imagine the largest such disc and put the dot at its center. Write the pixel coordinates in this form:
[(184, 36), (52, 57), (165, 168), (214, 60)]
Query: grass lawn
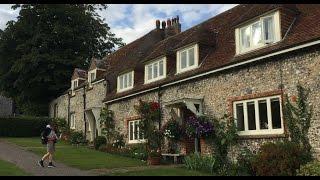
[(8, 169), (165, 171), (80, 157), (84, 158)]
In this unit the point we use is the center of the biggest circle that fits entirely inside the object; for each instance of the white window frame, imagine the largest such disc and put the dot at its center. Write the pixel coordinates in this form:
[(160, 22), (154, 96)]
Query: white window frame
[(132, 81), (258, 131), (73, 121), (196, 58), (89, 76), (277, 33), (146, 70), (72, 85), (129, 132)]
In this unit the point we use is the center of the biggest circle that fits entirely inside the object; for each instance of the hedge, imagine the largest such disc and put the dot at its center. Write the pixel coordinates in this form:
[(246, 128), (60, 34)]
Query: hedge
[(22, 126)]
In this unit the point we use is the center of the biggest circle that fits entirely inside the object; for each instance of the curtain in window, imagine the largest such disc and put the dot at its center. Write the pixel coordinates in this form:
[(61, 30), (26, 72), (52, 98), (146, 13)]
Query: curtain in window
[(268, 29)]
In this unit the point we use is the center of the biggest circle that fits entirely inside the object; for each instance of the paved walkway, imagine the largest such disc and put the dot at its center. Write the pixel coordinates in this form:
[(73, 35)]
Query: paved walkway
[(28, 162)]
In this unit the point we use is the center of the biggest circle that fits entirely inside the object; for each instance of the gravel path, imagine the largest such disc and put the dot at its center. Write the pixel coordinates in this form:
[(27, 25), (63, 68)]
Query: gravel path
[(28, 162)]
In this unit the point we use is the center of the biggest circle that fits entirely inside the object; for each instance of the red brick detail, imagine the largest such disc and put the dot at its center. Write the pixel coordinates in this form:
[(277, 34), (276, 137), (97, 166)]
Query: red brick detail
[(187, 146), (251, 96), (205, 148)]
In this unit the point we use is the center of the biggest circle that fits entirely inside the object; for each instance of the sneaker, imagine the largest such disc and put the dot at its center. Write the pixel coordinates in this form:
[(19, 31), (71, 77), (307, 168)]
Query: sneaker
[(40, 163), (51, 165)]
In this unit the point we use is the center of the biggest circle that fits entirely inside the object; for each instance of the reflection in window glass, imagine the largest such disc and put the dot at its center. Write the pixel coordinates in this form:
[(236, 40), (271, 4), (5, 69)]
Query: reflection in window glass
[(263, 114), (251, 116), (275, 110), (240, 117)]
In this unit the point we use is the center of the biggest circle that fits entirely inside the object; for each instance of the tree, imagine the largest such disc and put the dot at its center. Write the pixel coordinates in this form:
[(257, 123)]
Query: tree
[(39, 51)]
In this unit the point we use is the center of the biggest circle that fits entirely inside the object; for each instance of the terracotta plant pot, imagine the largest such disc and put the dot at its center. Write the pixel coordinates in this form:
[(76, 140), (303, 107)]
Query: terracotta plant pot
[(154, 160)]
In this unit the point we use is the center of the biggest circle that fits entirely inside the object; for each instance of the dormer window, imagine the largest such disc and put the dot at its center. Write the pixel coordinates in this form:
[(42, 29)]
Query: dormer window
[(187, 58), (257, 34), (125, 81), (74, 85), (155, 70), (92, 76)]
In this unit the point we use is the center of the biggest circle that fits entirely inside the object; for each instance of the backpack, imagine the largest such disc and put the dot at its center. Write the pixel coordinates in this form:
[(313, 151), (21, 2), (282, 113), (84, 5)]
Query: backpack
[(44, 134)]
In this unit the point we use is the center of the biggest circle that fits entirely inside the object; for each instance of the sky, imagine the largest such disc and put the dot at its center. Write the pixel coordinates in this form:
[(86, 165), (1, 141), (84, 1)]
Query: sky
[(131, 21)]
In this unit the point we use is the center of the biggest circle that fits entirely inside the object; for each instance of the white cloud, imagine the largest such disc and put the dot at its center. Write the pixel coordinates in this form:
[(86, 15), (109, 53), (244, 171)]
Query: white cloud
[(6, 14), (133, 24), (131, 21)]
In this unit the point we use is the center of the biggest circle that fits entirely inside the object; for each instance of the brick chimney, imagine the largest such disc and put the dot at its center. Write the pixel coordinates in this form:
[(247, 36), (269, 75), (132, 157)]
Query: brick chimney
[(157, 24), (173, 27)]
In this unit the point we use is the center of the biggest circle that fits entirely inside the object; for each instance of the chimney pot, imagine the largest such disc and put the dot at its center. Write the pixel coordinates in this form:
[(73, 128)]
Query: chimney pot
[(163, 24), (177, 19), (169, 23), (158, 24)]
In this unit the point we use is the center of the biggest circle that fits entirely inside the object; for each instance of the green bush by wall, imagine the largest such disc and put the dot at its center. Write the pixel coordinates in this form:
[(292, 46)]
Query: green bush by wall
[(22, 126)]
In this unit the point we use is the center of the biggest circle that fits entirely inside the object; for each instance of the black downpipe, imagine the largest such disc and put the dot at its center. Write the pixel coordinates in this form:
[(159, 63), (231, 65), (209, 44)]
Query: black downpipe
[(69, 97), (84, 112), (160, 107)]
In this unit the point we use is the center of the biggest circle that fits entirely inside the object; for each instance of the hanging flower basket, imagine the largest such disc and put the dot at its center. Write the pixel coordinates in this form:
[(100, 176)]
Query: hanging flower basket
[(198, 126)]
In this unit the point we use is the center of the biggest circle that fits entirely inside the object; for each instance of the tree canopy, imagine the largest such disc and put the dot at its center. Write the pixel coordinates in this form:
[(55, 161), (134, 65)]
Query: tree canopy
[(39, 51)]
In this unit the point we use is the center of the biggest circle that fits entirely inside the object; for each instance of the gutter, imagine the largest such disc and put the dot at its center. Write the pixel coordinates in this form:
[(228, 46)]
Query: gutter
[(221, 69)]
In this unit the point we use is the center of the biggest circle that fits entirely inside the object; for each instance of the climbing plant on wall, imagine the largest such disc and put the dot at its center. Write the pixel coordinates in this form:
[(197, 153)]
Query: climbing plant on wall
[(298, 117)]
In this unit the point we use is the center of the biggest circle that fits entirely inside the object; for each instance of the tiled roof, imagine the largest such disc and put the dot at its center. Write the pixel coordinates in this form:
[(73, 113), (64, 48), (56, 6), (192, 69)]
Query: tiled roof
[(216, 38)]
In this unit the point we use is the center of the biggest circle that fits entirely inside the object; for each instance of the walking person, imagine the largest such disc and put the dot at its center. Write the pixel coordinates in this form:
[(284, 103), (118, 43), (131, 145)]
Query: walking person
[(50, 138)]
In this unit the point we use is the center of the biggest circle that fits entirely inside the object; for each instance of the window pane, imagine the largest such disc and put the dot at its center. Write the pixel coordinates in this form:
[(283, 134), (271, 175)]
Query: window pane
[(251, 116), (155, 70), (191, 57), (131, 130), (130, 80), (125, 81), (245, 37), (121, 82), (240, 117), (263, 114), (136, 130), (256, 33), (161, 68), (268, 26), (149, 72), (275, 111), (183, 60)]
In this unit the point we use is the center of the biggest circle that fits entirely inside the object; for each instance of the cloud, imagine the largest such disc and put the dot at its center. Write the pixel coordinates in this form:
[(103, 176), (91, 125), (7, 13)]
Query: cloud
[(7, 14), (131, 21)]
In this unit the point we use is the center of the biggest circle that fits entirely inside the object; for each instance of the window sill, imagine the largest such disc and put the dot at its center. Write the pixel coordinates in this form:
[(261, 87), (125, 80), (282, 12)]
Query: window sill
[(256, 49), (136, 141), (268, 136), (124, 90), (186, 70)]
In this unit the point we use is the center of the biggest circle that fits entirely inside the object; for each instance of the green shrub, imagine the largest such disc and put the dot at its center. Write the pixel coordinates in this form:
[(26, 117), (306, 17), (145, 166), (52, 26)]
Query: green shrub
[(278, 159), (244, 162), (310, 169), (23, 126), (198, 162), (77, 138), (99, 141)]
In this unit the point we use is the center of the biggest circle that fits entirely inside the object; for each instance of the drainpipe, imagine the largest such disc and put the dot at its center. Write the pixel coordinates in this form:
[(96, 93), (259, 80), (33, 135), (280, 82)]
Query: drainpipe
[(84, 112), (69, 97), (159, 101)]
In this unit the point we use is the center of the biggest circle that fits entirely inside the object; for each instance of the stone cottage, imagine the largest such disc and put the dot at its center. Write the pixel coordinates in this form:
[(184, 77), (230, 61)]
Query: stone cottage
[(241, 62)]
